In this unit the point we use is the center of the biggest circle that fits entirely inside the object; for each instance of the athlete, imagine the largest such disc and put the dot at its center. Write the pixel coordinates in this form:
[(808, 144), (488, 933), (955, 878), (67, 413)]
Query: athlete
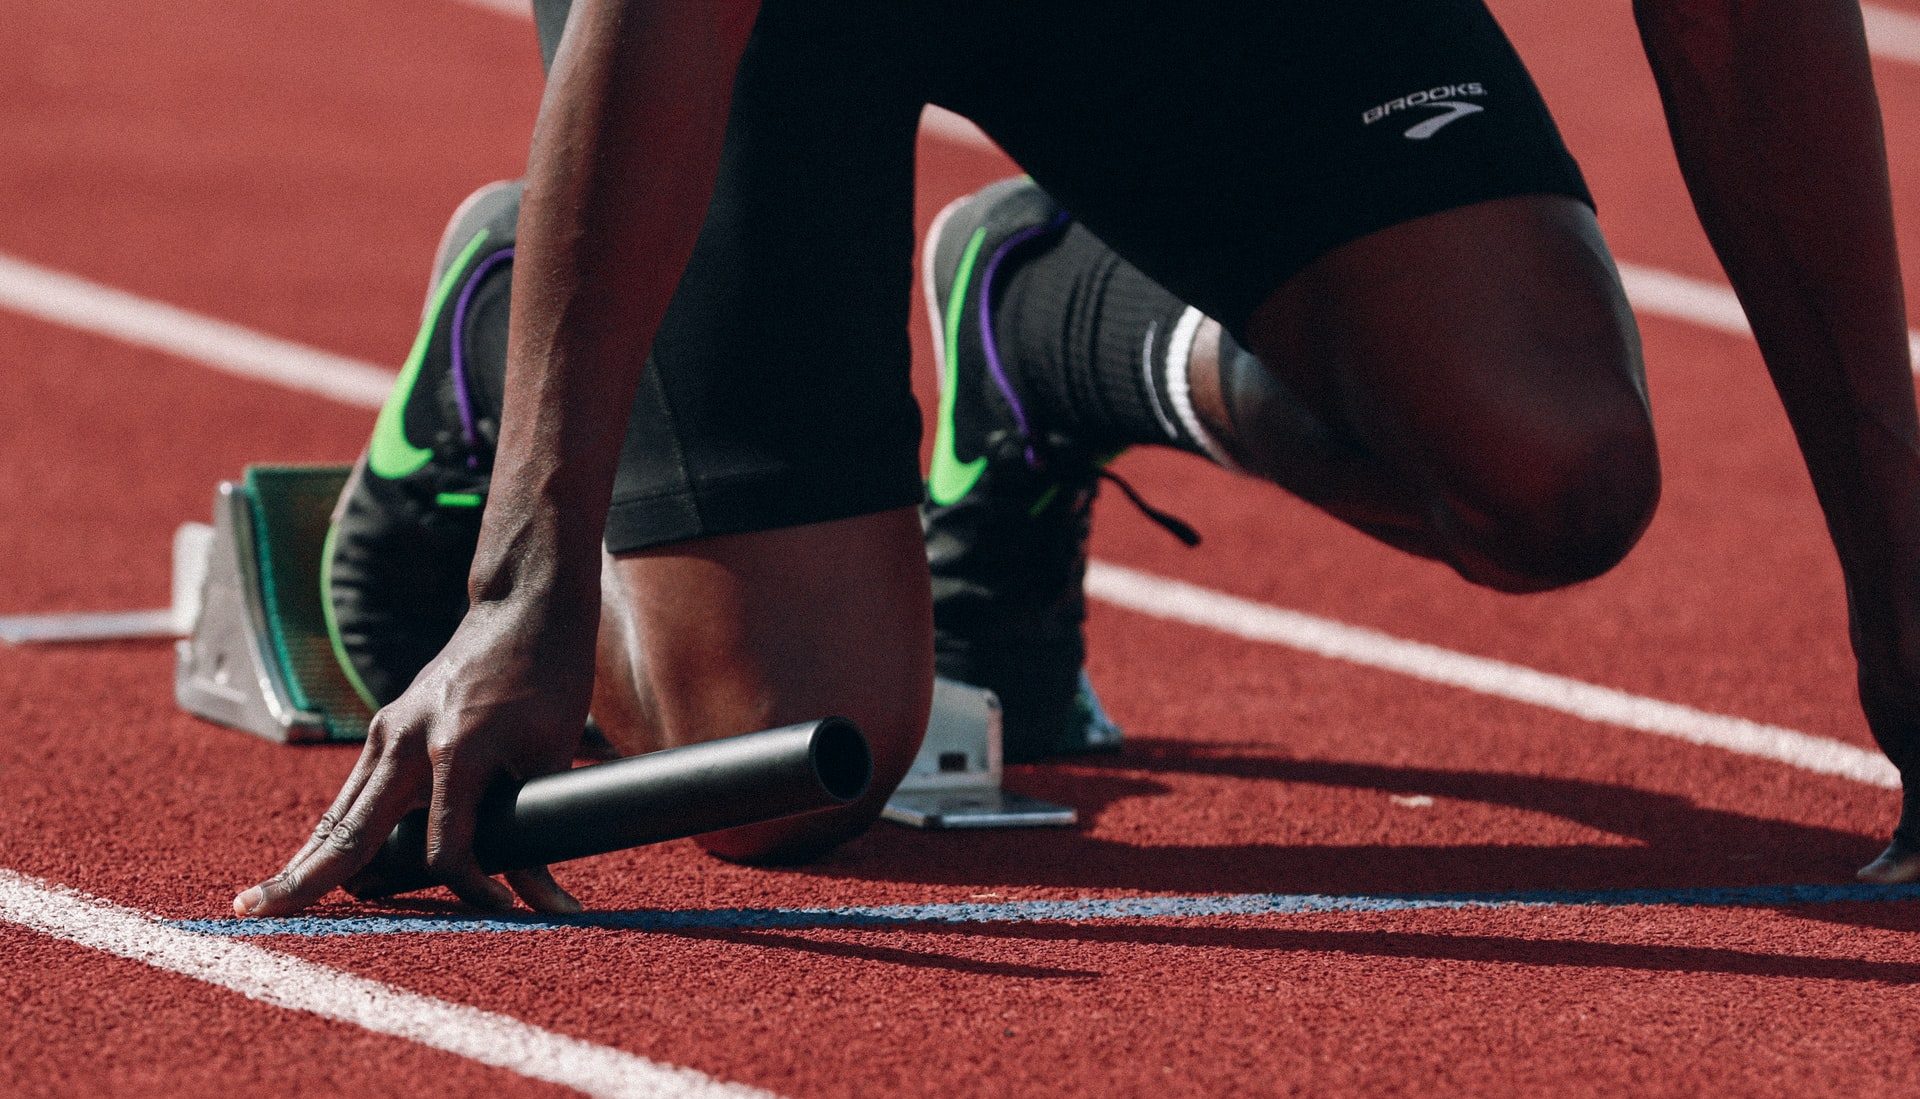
[(1340, 247)]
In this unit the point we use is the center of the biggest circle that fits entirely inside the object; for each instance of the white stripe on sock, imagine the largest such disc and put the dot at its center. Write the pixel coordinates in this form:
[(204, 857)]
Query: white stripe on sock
[(1180, 392), (1153, 391)]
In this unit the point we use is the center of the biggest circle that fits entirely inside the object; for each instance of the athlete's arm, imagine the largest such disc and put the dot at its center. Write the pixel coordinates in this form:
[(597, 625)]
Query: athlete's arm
[(622, 168), (1772, 109)]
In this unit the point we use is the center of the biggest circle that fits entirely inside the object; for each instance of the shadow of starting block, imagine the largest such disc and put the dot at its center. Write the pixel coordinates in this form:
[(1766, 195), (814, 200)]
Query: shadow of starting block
[(258, 654)]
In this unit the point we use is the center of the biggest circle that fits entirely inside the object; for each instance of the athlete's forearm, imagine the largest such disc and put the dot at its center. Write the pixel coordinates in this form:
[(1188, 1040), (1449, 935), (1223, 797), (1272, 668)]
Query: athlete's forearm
[(1773, 113), (621, 171)]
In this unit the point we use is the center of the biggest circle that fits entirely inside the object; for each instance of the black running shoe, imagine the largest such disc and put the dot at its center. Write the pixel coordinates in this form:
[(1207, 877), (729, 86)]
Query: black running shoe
[(395, 567), (1008, 501)]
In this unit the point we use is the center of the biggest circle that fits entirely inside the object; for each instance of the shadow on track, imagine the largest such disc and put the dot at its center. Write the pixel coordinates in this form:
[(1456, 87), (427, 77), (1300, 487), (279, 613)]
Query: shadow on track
[(1669, 842), (893, 955), (1672, 842), (1425, 946)]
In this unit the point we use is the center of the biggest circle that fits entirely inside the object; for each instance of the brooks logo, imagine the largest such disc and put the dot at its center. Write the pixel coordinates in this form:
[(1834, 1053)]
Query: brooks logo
[(1449, 99)]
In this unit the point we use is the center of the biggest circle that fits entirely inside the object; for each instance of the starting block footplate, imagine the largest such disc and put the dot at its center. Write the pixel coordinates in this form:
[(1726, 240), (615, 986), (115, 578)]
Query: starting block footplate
[(258, 654)]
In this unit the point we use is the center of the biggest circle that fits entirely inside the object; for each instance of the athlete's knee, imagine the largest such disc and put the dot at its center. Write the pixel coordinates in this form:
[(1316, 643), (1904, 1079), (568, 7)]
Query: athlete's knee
[(893, 729), (791, 844), (1567, 504)]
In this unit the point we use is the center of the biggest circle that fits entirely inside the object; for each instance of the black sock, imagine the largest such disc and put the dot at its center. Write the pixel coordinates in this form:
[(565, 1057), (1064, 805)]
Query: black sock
[(1098, 350)]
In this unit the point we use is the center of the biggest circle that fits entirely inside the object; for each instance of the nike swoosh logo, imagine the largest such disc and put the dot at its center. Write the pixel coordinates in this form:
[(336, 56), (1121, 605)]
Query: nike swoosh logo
[(391, 455), (950, 478), (1456, 109)]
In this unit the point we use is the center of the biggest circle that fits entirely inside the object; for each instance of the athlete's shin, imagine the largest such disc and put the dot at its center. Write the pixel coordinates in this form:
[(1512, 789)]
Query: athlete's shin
[(730, 634)]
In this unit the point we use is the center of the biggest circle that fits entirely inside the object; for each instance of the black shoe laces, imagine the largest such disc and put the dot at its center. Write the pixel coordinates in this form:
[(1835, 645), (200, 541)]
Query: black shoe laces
[(1052, 457), (1167, 521)]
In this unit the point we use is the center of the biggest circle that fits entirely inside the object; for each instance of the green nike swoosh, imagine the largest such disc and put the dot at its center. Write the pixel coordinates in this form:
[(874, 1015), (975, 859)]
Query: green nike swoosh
[(391, 455), (950, 478)]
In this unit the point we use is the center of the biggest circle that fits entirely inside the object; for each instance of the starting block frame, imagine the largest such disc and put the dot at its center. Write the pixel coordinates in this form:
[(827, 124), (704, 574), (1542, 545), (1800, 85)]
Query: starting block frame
[(257, 655), (237, 666), (955, 781)]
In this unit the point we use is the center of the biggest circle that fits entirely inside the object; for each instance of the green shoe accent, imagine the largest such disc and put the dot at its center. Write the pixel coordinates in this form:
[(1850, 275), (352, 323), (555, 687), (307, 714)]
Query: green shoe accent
[(333, 626), (459, 500), (1045, 501), (391, 456), (950, 478)]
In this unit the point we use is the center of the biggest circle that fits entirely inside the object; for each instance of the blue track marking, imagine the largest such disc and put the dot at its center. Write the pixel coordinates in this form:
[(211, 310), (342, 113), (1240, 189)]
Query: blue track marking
[(1126, 908)]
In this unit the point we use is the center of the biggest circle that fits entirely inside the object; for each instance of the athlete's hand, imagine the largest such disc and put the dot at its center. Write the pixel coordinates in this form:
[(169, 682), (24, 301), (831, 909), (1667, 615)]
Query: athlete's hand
[(507, 697)]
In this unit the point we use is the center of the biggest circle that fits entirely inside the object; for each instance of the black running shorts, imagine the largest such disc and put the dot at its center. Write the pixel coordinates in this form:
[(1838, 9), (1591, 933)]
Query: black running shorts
[(1219, 146)]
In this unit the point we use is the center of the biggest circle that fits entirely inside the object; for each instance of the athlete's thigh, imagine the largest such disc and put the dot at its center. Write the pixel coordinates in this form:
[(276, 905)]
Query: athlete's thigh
[(1371, 196), (1222, 145), (1486, 353)]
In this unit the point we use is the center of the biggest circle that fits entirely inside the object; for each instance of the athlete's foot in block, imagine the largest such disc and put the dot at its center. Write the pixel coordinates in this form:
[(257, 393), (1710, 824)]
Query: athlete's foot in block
[(1889, 667), (1007, 518), (404, 533)]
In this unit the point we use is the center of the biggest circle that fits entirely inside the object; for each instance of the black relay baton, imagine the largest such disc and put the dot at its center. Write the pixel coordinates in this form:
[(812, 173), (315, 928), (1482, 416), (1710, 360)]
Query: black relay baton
[(651, 798)]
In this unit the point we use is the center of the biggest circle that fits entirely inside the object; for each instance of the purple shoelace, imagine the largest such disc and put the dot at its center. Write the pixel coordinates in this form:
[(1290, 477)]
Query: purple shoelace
[(460, 387), (994, 366)]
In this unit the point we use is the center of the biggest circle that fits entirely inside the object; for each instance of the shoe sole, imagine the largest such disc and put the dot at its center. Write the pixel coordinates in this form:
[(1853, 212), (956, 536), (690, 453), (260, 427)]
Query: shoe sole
[(929, 290)]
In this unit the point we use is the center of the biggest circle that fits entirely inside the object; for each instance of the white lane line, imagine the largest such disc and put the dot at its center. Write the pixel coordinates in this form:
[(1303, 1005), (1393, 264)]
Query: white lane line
[(1176, 601), (79, 303), (309, 370), (1697, 301), (521, 8), (91, 307), (192, 547), (1707, 304), (1893, 35), (30, 629), (282, 980)]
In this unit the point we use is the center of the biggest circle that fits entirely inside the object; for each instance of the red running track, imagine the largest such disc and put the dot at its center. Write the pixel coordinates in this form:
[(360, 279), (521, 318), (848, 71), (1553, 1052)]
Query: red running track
[(288, 167)]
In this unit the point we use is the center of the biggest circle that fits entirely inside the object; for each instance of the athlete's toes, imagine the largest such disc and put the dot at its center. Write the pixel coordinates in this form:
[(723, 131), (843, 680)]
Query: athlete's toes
[(1895, 865)]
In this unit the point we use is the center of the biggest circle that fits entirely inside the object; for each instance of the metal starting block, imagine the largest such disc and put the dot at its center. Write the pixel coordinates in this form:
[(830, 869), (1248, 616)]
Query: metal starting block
[(257, 655), (955, 780)]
